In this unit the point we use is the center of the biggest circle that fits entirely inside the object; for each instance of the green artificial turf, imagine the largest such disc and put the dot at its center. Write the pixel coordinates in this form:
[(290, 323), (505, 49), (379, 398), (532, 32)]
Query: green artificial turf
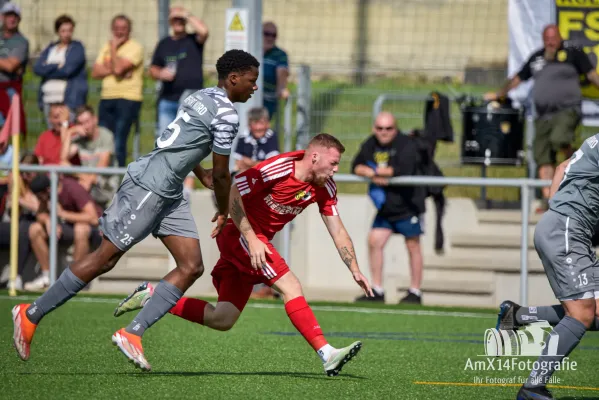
[(408, 353)]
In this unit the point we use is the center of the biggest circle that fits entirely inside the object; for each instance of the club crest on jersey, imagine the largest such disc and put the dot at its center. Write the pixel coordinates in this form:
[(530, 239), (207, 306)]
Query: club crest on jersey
[(303, 195)]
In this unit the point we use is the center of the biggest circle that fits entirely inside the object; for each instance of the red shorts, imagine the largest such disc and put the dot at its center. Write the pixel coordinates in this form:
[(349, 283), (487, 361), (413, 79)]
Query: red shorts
[(233, 275)]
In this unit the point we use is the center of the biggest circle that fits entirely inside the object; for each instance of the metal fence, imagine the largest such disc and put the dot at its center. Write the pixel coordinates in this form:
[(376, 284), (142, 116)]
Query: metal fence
[(438, 37), (525, 185)]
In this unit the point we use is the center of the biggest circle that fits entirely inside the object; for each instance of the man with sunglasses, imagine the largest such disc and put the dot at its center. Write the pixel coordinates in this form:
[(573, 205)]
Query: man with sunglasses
[(276, 70), (388, 153)]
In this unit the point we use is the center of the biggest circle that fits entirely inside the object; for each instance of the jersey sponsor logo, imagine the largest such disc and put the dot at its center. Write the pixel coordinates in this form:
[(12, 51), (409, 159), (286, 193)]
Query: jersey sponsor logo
[(281, 208), (303, 195)]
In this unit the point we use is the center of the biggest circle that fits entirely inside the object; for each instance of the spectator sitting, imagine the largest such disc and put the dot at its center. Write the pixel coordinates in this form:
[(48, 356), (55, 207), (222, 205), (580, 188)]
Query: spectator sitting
[(78, 216), (28, 206), (388, 153), (62, 68), (93, 145), (49, 144), (258, 144), (120, 66), (276, 69), (14, 55)]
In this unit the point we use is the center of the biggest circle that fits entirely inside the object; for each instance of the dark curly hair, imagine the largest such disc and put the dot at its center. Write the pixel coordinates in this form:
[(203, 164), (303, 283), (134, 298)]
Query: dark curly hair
[(63, 19), (235, 61)]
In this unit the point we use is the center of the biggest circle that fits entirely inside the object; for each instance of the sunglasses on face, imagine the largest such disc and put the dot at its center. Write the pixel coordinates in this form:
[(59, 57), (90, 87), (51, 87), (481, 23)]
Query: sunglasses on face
[(384, 128), (270, 34)]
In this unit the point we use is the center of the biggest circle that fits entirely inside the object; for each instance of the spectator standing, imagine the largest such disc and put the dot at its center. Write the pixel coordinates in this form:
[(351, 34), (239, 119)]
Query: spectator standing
[(78, 216), (557, 97), (177, 65), (275, 70), (388, 153), (120, 66), (93, 145), (62, 68), (14, 54)]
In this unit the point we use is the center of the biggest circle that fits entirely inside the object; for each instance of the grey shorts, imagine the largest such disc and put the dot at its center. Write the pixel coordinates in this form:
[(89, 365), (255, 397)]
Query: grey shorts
[(564, 246), (136, 212)]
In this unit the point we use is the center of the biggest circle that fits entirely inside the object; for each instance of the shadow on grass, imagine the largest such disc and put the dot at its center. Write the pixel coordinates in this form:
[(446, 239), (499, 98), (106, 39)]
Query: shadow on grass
[(302, 375)]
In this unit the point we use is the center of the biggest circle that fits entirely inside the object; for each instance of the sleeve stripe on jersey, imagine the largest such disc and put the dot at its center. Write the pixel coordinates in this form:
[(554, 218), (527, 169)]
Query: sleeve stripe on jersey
[(222, 110), (275, 176), (274, 163), (277, 169), (242, 185), (330, 188), (334, 208)]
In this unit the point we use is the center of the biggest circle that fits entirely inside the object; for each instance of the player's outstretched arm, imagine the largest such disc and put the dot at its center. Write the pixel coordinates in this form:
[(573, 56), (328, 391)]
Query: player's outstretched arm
[(345, 247), (256, 247)]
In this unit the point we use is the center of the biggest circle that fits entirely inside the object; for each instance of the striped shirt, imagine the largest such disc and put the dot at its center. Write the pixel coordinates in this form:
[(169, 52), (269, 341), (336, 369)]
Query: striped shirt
[(272, 196), (206, 121)]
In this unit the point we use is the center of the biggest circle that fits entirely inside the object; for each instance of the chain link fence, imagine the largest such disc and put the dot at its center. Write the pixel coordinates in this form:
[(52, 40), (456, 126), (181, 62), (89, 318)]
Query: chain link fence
[(356, 49)]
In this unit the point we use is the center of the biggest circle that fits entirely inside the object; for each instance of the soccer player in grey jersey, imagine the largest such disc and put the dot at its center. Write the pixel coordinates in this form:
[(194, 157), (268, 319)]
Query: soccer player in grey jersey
[(563, 241), (150, 201)]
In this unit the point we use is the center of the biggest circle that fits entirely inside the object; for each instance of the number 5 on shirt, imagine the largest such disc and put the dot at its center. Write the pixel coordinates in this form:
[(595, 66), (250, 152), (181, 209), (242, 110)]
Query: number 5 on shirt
[(174, 126)]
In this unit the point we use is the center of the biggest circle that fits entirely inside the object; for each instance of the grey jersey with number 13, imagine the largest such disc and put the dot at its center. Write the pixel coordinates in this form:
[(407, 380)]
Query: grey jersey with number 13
[(206, 121), (578, 193)]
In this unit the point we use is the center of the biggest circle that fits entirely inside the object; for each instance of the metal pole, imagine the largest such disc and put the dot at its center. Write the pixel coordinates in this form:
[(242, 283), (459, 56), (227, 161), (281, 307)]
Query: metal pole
[(304, 97), (254, 28), (163, 11), (361, 42), (286, 245), (53, 223), (525, 204), (530, 136), (136, 140)]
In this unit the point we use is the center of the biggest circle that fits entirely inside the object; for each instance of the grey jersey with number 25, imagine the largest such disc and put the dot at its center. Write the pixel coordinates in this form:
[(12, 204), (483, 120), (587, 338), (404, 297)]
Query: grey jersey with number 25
[(206, 121), (578, 193)]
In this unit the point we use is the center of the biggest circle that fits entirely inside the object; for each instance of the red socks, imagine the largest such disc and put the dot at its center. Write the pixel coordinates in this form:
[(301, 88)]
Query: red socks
[(298, 310), (305, 322), (190, 309)]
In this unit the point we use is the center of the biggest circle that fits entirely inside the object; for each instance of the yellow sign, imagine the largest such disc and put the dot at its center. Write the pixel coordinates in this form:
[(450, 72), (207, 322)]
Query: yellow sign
[(236, 24), (578, 22)]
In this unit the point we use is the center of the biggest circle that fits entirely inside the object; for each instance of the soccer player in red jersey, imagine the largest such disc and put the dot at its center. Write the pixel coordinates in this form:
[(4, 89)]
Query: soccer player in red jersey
[(263, 199)]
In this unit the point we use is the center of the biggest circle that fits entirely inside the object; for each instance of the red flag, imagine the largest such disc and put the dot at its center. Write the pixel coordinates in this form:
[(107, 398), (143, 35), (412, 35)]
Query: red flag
[(12, 125)]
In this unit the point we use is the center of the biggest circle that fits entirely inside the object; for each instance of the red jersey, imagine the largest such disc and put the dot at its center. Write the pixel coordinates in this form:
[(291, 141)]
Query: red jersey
[(272, 196)]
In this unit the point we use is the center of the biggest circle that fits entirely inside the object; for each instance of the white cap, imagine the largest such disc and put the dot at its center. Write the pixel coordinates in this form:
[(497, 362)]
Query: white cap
[(11, 8)]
